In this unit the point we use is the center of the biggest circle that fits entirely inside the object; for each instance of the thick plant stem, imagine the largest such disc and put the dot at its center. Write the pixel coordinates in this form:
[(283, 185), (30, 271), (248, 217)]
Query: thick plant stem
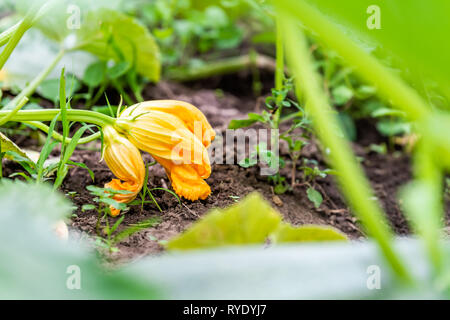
[(224, 66), (59, 137), (93, 117), (7, 34), (29, 90), (351, 178), (279, 71), (430, 176), (13, 112), (388, 85)]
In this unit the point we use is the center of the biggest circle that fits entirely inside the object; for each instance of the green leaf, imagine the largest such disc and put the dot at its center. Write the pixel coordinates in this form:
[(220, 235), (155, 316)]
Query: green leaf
[(416, 47), (8, 145), (237, 124), (341, 94), (248, 162), (256, 116), (27, 242), (314, 196), (348, 126), (133, 228), (338, 270), (113, 203), (49, 89), (119, 69), (249, 221), (84, 166), (94, 74), (41, 201), (384, 112), (281, 188), (87, 207), (306, 233), (49, 145), (110, 34), (391, 127)]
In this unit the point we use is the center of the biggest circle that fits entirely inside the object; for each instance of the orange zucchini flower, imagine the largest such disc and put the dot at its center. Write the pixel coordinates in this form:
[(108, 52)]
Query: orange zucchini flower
[(125, 161), (176, 134)]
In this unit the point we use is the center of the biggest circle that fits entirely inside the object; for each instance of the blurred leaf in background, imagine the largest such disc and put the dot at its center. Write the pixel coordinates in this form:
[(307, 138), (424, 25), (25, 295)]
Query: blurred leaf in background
[(101, 32), (121, 38)]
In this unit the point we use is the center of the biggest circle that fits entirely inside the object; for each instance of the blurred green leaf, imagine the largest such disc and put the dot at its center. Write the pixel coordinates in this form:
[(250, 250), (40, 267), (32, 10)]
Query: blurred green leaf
[(107, 32), (391, 127), (314, 196), (348, 126), (8, 145), (384, 112), (237, 124), (49, 89), (94, 74), (40, 202), (306, 233), (34, 258), (341, 94), (119, 69), (248, 162), (414, 32), (337, 270), (249, 221)]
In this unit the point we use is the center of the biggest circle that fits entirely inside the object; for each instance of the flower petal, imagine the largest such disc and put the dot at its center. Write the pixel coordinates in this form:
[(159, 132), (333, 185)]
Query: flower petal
[(192, 117), (186, 180)]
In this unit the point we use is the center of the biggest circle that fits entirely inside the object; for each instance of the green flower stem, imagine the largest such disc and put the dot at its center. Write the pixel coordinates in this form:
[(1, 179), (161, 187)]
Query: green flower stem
[(389, 85), (351, 178), (279, 70), (59, 137), (15, 37), (29, 90), (6, 35), (93, 117), (13, 112), (431, 177)]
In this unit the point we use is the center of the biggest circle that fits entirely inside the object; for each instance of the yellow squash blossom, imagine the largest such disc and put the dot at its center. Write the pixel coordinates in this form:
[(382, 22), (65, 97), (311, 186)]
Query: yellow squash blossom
[(125, 161), (176, 134)]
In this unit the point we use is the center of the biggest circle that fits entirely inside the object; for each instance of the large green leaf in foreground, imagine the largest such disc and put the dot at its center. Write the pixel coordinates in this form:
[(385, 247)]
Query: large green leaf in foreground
[(34, 264), (309, 271)]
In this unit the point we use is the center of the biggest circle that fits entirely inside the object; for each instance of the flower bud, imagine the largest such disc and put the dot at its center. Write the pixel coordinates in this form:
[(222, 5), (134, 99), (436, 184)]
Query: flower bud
[(125, 161)]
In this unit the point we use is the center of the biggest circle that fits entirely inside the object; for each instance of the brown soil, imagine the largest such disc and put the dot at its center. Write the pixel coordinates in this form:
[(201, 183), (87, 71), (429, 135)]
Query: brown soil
[(386, 173)]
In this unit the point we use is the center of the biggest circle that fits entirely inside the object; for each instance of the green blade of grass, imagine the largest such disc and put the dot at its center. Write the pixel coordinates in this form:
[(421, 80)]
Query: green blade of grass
[(351, 178), (49, 145), (68, 153)]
